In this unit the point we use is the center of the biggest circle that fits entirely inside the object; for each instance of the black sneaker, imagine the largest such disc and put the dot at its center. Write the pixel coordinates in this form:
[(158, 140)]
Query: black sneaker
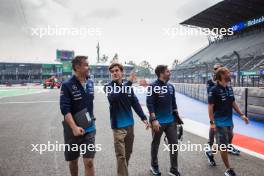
[(233, 150), (174, 173), (155, 170), (210, 157), (230, 172)]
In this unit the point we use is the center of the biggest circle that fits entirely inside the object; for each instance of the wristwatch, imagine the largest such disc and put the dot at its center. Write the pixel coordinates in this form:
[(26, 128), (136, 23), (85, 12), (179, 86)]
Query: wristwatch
[(152, 118), (211, 122)]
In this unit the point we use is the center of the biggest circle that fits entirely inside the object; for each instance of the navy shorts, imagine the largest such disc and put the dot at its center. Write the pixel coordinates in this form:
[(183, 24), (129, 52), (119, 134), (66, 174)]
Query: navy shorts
[(224, 135), (74, 146)]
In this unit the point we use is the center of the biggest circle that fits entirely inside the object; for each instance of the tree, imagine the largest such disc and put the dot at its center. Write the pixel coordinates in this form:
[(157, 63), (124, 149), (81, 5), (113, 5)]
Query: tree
[(144, 69), (115, 58), (132, 63), (104, 59)]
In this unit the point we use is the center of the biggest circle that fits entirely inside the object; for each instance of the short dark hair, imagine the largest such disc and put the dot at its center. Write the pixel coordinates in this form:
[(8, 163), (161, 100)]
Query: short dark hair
[(160, 69), (78, 61), (220, 71), (116, 64)]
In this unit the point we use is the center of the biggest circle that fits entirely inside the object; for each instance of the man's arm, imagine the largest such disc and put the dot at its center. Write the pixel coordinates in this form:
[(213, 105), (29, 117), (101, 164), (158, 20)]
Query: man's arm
[(174, 104), (138, 109), (237, 109), (65, 100), (211, 112), (91, 102), (150, 103), (65, 106), (175, 112), (211, 104), (136, 106)]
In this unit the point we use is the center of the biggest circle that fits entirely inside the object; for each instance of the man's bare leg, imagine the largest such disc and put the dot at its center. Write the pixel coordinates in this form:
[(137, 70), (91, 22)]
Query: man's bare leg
[(224, 156), (89, 166), (74, 167)]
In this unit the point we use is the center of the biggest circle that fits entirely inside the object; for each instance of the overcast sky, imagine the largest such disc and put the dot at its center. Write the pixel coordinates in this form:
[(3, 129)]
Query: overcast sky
[(133, 29)]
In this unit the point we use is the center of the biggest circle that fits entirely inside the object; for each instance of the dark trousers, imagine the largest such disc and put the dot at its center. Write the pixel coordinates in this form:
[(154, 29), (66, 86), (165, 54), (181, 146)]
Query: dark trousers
[(171, 133)]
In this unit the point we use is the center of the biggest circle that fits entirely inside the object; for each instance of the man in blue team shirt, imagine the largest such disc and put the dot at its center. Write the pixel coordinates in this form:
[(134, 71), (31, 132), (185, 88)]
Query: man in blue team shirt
[(209, 153), (221, 102), (121, 98), (76, 104), (163, 118)]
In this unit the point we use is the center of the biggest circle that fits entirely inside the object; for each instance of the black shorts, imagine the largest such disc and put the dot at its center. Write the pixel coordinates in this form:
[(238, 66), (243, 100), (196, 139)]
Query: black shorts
[(74, 146), (224, 135)]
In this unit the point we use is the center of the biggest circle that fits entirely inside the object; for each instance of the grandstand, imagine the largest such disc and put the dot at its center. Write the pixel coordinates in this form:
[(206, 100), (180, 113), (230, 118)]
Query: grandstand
[(242, 52), (18, 71)]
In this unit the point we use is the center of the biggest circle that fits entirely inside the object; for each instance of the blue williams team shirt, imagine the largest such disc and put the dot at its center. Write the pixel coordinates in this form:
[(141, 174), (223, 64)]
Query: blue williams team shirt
[(74, 98), (222, 98), (121, 104), (162, 101)]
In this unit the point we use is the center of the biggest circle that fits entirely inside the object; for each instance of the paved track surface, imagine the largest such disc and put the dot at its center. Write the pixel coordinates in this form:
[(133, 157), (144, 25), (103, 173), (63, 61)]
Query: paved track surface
[(36, 119)]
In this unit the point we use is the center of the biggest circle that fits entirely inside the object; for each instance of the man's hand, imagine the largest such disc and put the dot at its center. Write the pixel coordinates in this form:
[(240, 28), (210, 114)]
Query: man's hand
[(155, 125), (147, 124), (212, 126), (78, 131), (178, 119), (245, 119), (133, 77)]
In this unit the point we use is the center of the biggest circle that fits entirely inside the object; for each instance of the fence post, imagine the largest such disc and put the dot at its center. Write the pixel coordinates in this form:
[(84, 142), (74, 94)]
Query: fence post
[(246, 101)]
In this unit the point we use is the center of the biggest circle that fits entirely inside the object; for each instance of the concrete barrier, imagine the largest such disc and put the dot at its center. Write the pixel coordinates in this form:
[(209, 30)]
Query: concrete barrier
[(254, 97)]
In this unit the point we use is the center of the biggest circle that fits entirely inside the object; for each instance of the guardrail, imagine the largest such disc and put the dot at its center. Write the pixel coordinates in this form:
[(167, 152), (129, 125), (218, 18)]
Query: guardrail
[(250, 100)]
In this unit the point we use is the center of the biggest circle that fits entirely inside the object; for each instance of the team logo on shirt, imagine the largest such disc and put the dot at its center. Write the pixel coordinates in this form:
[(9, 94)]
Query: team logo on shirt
[(74, 87)]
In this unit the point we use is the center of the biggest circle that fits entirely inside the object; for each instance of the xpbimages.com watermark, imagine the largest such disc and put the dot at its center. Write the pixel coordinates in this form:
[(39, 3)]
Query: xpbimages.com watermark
[(197, 31), (58, 147), (59, 31), (191, 147), (148, 90), (83, 148)]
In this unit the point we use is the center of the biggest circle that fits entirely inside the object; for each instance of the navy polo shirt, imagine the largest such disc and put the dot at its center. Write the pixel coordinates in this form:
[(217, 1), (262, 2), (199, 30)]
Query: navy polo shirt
[(162, 101), (121, 115), (75, 98), (222, 98)]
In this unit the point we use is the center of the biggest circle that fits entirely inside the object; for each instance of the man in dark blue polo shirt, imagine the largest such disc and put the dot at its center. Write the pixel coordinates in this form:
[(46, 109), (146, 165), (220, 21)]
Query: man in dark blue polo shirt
[(122, 99), (211, 83), (221, 102), (163, 117), (209, 153), (76, 104)]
